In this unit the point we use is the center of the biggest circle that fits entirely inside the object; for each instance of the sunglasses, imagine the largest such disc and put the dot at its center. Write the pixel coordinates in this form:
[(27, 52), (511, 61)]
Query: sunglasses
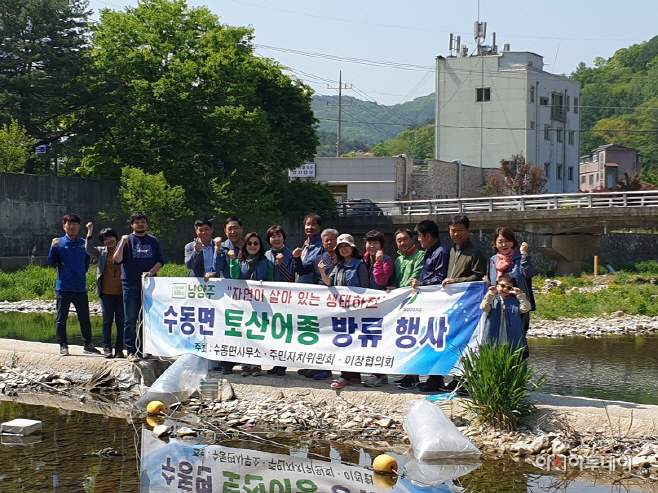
[(509, 287)]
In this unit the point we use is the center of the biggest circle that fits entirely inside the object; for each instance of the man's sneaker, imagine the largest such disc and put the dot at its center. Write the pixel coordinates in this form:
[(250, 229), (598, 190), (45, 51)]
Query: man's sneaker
[(256, 371), (311, 373), (90, 349), (107, 352), (302, 371), (63, 350), (376, 381), (322, 374), (246, 370), (407, 383), (118, 353)]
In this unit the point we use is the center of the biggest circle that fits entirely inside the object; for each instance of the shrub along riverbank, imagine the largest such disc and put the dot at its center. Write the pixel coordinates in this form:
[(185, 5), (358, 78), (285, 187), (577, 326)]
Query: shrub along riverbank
[(633, 290)]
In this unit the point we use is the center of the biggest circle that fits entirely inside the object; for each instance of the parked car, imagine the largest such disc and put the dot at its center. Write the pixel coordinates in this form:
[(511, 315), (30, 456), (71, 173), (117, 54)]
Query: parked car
[(359, 207)]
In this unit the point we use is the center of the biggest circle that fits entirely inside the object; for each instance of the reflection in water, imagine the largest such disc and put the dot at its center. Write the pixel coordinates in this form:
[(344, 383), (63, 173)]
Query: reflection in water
[(65, 458), (611, 367), (40, 327)]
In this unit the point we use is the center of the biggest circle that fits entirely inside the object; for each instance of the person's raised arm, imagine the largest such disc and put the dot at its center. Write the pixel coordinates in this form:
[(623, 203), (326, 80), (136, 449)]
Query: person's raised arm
[(118, 253)]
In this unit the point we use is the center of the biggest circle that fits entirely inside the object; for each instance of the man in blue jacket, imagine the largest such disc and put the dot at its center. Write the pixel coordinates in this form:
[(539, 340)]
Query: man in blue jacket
[(140, 255), (68, 253), (435, 263)]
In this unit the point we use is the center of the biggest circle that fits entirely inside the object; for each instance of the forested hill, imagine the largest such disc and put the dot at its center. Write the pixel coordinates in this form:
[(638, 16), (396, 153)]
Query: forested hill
[(619, 101), (368, 122)]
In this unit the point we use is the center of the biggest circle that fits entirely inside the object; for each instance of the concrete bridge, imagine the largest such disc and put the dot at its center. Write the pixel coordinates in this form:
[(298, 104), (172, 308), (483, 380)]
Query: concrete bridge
[(568, 226)]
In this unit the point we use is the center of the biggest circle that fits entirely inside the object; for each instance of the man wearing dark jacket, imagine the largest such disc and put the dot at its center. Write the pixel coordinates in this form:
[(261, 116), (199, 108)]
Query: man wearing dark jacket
[(435, 263), (467, 263)]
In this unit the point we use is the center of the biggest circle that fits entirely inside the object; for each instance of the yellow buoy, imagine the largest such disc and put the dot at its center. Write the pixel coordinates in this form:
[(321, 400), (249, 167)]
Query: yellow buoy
[(155, 407), (385, 464), (154, 421)]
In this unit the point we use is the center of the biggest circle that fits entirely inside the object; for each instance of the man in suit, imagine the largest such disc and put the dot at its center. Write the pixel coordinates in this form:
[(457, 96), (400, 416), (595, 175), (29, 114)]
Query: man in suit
[(199, 252)]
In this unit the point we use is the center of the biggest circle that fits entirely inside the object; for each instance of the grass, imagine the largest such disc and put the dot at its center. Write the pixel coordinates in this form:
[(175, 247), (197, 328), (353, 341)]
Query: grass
[(35, 282), (499, 383), (633, 290)]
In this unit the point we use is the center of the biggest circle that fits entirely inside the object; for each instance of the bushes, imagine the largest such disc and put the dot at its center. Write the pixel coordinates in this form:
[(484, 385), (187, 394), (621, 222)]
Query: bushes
[(499, 382)]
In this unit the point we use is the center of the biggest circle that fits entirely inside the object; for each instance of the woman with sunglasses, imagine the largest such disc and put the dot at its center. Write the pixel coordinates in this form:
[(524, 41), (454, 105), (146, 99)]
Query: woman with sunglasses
[(512, 259), (251, 264)]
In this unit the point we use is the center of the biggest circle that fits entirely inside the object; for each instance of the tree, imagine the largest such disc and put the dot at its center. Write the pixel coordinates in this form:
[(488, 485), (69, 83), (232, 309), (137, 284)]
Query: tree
[(151, 194), (517, 177), (186, 96), (15, 147), (42, 44), (417, 143)]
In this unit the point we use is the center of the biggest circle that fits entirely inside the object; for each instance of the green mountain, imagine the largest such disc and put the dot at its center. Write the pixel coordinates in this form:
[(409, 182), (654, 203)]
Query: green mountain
[(366, 123)]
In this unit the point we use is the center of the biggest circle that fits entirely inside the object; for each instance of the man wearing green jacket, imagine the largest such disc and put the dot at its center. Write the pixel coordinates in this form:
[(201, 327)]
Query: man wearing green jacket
[(409, 264)]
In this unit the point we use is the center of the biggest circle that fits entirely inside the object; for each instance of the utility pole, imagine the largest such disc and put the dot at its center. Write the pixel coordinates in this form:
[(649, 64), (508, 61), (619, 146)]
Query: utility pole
[(340, 88)]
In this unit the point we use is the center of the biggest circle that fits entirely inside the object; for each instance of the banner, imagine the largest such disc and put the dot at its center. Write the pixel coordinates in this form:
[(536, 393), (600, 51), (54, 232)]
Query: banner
[(421, 331), (184, 466)]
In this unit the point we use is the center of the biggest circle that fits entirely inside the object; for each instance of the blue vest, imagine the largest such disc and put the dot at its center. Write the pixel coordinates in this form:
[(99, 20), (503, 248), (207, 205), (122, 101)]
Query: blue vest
[(347, 274), (255, 270)]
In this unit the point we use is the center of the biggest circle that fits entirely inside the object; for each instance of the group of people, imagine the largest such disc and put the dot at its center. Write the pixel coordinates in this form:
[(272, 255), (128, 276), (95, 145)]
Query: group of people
[(326, 258)]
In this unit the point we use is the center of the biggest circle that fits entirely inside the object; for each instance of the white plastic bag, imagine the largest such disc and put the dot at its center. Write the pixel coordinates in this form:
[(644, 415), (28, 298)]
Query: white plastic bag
[(432, 434), (178, 381)]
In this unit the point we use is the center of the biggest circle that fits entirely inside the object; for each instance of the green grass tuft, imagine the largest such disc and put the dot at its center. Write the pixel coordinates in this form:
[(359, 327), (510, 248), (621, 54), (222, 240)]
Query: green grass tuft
[(499, 382)]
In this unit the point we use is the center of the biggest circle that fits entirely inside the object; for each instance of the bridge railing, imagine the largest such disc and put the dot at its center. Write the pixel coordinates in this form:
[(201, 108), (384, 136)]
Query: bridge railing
[(645, 198)]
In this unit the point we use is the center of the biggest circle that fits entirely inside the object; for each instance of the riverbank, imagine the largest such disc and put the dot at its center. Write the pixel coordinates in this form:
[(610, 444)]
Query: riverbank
[(580, 428)]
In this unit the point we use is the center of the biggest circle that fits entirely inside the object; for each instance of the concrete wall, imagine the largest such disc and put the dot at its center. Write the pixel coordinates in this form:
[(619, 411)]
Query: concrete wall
[(31, 209), (439, 180)]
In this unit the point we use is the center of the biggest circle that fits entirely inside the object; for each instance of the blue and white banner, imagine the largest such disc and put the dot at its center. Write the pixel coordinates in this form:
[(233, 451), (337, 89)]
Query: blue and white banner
[(421, 331)]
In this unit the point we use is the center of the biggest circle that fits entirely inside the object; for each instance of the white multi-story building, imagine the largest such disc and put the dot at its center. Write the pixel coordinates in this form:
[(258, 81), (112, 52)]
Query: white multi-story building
[(491, 106)]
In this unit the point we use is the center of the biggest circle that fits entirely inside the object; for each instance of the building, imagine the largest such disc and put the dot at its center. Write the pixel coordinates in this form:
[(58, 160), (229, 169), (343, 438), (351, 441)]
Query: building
[(496, 104), (379, 179), (606, 165)]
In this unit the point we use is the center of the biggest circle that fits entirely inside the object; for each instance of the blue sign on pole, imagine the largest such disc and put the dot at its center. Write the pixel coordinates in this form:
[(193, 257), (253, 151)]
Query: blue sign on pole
[(40, 149)]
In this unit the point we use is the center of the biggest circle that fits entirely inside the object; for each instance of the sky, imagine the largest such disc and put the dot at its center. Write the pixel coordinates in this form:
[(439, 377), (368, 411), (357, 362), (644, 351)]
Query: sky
[(386, 49)]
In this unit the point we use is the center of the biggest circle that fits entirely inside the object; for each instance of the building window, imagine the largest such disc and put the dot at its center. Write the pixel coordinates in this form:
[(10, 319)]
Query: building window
[(558, 172), (532, 94), (547, 170), (543, 101), (557, 106), (532, 125), (568, 102), (575, 105), (571, 137), (558, 135), (570, 173), (547, 132), (591, 179), (583, 179), (483, 94)]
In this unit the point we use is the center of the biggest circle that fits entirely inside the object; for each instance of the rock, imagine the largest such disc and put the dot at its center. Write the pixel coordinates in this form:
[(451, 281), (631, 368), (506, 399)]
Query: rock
[(640, 462), (161, 431), (558, 447), (186, 432), (648, 449), (350, 424), (226, 392), (276, 395)]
